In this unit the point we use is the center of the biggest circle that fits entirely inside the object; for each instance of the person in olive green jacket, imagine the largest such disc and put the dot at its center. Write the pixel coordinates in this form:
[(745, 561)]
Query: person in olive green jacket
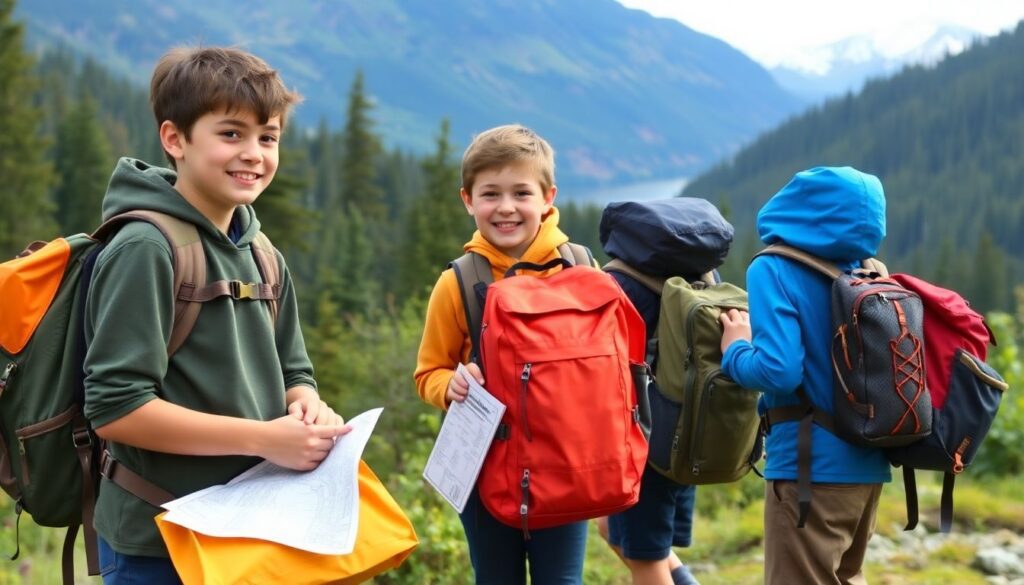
[(241, 386)]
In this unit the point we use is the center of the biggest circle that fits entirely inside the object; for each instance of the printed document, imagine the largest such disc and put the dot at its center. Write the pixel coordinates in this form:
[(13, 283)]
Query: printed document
[(462, 444), (317, 510)]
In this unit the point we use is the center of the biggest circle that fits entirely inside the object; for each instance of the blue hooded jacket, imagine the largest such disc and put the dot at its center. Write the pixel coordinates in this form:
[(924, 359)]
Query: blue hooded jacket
[(836, 213)]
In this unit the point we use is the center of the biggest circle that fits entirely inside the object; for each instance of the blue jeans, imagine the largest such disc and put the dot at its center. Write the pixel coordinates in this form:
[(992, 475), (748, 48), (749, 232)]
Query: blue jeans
[(119, 569), (499, 552)]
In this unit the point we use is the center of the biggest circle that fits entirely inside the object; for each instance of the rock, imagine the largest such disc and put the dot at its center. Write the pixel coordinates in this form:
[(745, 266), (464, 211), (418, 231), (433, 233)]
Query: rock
[(996, 561)]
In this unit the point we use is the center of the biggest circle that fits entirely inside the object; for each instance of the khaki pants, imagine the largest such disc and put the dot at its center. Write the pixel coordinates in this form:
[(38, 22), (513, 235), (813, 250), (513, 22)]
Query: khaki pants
[(830, 548)]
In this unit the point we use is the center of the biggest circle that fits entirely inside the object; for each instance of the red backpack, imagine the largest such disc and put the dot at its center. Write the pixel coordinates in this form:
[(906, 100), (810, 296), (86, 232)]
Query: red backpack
[(561, 353), (965, 393)]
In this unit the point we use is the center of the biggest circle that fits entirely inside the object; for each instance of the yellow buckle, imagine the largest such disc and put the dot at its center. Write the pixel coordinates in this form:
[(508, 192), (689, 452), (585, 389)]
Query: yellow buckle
[(242, 290)]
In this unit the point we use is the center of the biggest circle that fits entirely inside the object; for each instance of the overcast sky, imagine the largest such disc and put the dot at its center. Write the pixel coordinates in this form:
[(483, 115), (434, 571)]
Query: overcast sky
[(779, 31)]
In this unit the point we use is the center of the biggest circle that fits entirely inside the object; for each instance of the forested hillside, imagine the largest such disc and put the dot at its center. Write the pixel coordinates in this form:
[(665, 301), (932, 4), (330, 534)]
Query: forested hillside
[(623, 95), (366, 228), (946, 142)]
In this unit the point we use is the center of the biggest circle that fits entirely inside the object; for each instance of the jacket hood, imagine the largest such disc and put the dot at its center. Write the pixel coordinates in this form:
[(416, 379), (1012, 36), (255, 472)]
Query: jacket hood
[(138, 185), (548, 238), (835, 213)]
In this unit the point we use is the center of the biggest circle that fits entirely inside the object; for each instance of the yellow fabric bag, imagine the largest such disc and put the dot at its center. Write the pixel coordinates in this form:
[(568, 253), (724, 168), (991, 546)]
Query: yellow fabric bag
[(384, 539)]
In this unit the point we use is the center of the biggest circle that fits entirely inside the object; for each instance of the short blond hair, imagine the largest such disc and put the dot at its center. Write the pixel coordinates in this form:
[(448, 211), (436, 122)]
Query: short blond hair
[(504, 145)]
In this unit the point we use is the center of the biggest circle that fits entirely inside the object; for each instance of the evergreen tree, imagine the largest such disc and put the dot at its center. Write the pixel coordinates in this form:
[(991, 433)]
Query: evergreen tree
[(358, 163), (326, 199), (989, 282), (84, 162), (25, 175), (352, 284), (280, 209), (436, 222)]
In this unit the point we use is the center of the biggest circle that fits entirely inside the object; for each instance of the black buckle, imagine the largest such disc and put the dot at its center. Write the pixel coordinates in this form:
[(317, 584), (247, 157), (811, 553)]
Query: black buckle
[(242, 290), (107, 463), (81, 438), (503, 432)]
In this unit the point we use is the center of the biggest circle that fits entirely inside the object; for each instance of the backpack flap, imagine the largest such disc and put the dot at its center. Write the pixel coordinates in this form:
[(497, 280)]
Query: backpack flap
[(668, 237)]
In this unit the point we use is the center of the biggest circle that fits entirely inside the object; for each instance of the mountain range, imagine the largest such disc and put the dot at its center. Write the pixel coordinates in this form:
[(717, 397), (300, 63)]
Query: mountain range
[(844, 66), (621, 95), (946, 142)]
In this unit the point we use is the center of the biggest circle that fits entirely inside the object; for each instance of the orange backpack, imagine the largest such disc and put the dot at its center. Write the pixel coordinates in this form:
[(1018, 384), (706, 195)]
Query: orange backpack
[(562, 353)]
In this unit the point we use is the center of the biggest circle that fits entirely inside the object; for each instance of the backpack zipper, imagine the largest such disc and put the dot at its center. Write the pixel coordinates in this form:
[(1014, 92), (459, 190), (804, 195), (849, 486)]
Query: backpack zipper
[(524, 381), (524, 506), (883, 299), (6, 375), (691, 367), (35, 430), (696, 444)]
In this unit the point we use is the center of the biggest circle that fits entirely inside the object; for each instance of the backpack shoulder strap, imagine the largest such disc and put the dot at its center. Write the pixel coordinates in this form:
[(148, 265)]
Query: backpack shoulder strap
[(655, 284), (827, 268), (270, 269), (711, 278), (473, 274), (875, 265), (578, 254), (189, 264)]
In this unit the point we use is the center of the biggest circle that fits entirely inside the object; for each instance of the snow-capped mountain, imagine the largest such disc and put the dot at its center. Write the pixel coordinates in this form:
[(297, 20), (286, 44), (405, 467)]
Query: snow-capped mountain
[(844, 66)]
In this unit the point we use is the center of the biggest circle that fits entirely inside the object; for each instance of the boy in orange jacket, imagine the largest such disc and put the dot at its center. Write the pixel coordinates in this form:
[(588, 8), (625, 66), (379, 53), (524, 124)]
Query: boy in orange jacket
[(508, 188)]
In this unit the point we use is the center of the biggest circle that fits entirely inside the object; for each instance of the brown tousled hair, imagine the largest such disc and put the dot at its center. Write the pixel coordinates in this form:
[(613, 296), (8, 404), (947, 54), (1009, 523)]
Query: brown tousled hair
[(188, 83)]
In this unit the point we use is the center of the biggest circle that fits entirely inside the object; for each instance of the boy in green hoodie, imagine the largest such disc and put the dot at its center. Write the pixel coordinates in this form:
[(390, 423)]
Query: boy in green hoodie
[(240, 387)]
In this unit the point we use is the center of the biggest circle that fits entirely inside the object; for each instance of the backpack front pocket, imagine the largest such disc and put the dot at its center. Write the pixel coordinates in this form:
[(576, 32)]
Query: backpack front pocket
[(44, 457), (565, 395), (975, 392), (724, 431)]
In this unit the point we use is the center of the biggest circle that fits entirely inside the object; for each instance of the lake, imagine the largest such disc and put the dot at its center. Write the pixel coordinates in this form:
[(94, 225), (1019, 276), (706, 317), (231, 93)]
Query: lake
[(643, 191)]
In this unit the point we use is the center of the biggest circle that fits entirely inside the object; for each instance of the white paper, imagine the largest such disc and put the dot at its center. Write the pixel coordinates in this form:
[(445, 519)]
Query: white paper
[(316, 511), (462, 443)]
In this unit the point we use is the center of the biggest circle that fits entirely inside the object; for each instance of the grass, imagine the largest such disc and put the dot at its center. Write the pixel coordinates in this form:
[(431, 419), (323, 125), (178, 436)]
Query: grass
[(727, 537)]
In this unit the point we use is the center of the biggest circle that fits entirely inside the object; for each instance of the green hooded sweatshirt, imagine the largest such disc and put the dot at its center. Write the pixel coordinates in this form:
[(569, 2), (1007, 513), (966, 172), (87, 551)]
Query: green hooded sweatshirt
[(235, 362)]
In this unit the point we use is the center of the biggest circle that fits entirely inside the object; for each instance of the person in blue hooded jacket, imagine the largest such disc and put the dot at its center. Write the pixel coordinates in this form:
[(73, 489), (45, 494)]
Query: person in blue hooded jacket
[(838, 214)]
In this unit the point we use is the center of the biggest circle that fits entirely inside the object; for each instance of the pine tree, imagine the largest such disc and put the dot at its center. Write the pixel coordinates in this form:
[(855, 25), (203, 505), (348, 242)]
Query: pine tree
[(436, 221), (282, 215), (353, 287), (989, 280), (25, 175), (84, 162), (359, 160)]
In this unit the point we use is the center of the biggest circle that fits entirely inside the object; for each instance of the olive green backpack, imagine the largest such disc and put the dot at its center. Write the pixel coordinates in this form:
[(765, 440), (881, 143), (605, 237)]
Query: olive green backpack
[(50, 459), (705, 426)]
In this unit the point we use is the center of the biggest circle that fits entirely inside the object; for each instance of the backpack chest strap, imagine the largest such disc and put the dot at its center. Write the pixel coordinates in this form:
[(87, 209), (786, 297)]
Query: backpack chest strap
[(236, 289)]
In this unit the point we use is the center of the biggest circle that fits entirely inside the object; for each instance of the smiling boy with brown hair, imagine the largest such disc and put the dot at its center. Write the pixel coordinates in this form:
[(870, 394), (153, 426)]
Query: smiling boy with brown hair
[(240, 386)]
